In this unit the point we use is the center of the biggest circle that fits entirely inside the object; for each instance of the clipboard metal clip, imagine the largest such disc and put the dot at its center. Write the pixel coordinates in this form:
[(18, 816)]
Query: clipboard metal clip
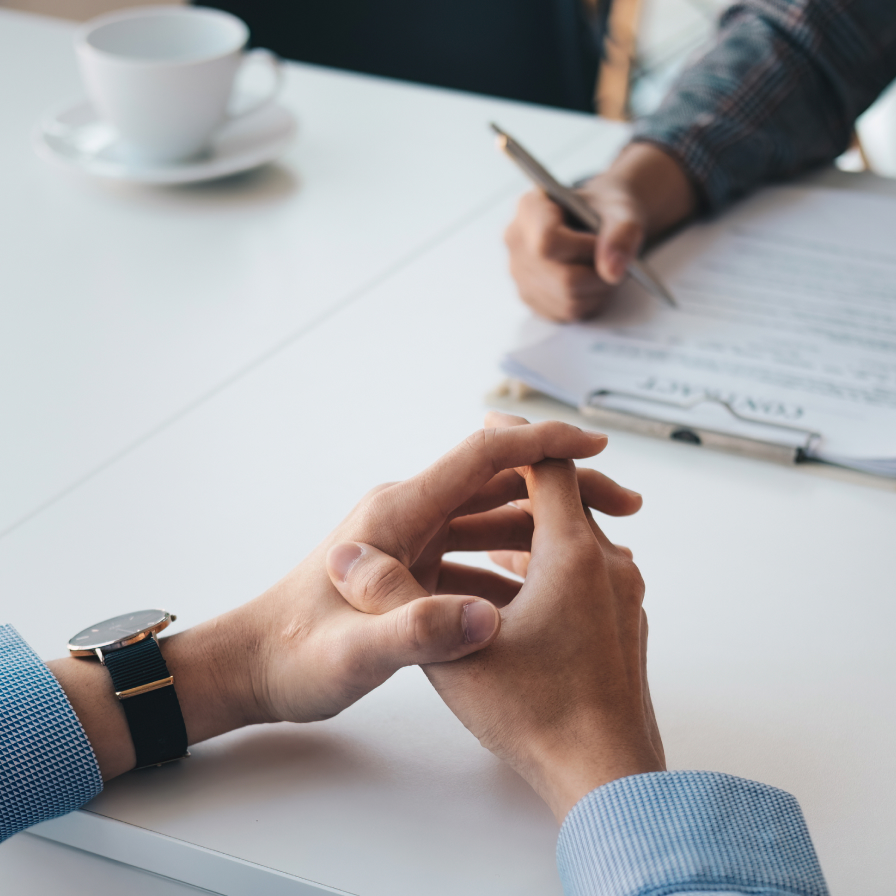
[(785, 443)]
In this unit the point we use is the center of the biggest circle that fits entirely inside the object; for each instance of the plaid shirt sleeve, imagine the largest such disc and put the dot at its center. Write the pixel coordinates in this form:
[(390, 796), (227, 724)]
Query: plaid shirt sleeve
[(47, 766), (687, 834), (779, 92)]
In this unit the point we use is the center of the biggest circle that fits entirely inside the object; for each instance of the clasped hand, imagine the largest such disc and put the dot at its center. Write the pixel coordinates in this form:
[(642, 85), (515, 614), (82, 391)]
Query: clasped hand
[(548, 674)]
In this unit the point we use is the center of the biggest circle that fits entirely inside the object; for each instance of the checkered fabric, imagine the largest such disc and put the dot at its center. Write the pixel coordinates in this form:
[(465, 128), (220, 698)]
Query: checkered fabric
[(778, 93), (47, 766), (687, 833)]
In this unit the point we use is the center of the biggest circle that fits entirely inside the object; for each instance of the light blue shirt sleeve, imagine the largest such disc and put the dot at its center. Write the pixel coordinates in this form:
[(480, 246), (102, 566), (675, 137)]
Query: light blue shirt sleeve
[(688, 834), (47, 766)]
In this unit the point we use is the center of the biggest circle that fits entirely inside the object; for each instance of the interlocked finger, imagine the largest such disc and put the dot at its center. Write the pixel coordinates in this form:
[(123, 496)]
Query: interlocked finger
[(457, 578), (505, 528), (501, 489), (516, 562), (598, 492), (434, 495)]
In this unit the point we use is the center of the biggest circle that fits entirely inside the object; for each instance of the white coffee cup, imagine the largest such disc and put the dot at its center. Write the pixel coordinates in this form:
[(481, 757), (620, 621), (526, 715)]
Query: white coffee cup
[(163, 76)]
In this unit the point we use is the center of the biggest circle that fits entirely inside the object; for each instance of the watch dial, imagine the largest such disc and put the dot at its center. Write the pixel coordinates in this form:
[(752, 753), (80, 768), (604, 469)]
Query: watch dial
[(117, 629)]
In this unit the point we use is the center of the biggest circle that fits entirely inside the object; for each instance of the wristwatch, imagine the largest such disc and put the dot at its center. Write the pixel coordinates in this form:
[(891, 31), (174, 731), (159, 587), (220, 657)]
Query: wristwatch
[(126, 645)]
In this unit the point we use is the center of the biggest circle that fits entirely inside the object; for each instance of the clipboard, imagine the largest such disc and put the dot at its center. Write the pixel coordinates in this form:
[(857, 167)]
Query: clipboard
[(783, 443), (515, 397)]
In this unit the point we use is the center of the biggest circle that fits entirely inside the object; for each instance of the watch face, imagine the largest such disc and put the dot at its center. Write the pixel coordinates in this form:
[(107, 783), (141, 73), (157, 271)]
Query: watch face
[(121, 628)]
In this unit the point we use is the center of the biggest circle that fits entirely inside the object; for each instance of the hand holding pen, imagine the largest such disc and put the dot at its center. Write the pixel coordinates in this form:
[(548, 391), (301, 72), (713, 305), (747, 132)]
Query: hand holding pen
[(565, 273)]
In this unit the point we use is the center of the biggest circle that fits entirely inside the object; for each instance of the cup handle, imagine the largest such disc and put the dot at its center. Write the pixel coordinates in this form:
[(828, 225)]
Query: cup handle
[(272, 61)]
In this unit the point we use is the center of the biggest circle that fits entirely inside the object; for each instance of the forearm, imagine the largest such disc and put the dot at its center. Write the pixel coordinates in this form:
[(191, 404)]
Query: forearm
[(210, 665), (778, 93)]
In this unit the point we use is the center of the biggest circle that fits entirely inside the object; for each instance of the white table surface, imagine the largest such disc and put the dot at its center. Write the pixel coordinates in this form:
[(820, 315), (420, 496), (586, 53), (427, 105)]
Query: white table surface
[(125, 305), (769, 589)]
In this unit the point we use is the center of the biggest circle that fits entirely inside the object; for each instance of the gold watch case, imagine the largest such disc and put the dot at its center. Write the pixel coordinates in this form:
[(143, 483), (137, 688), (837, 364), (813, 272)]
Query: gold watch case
[(119, 631)]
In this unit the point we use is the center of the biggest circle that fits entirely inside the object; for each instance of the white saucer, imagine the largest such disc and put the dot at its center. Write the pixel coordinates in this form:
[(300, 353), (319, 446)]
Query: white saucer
[(77, 137)]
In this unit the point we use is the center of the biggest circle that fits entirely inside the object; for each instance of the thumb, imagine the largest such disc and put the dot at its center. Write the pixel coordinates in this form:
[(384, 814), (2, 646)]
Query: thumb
[(400, 624), (618, 244), (433, 629)]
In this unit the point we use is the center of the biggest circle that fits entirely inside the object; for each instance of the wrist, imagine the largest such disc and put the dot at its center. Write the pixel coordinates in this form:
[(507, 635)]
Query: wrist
[(657, 184), (213, 665), (563, 774)]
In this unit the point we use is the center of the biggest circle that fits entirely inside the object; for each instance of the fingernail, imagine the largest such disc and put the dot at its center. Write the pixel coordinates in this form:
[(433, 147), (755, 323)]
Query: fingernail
[(633, 493), (479, 621), (343, 557)]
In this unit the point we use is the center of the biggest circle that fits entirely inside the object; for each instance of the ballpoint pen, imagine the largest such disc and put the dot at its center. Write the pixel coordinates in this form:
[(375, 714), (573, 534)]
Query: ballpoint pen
[(575, 205)]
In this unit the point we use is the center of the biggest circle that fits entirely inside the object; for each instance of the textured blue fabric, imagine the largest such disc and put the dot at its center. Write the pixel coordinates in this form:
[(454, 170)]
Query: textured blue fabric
[(687, 833), (47, 766), (778, 93)]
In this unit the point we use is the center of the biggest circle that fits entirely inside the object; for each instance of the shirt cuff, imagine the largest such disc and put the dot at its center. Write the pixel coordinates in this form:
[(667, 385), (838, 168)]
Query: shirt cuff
[(47, 766), (687, 832)]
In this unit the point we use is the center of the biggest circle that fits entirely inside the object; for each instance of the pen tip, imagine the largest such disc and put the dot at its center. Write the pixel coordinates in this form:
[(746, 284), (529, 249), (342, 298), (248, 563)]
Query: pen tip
[(501, 138), (645, 276)]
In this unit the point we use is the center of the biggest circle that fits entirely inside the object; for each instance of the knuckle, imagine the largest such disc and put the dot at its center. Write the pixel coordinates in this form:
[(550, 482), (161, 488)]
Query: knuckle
[(549, 302), (546, 242), (381, 519), (378, 489), (566, 309), (418, 626), (591, 552), (476, 441), (563, 308), (582, 287), (579, 552), (554, 429), (482, 444), (378, 584), (568, 281), (632, 582), (576, 308), (374, 506)]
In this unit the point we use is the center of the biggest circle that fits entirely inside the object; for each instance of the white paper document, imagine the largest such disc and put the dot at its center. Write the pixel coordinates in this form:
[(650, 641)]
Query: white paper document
[(786, 331)]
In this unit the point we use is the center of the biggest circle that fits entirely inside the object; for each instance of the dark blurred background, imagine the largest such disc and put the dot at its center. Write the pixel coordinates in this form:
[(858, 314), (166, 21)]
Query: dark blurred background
[(554, 52), (541, 51)]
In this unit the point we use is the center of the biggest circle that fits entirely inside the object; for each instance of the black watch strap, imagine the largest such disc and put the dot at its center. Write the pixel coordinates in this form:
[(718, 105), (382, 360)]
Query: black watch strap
[(146, 691)]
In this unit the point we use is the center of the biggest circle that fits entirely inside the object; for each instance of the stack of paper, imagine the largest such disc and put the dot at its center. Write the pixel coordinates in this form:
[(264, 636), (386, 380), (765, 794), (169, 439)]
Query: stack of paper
[(786, 331)]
